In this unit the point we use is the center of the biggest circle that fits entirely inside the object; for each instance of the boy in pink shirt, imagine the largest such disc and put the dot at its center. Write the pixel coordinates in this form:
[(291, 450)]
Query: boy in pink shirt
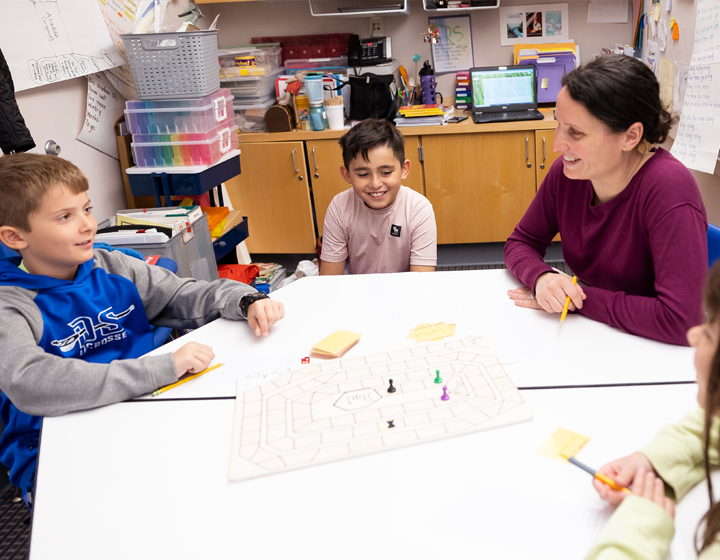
[(378, 225)]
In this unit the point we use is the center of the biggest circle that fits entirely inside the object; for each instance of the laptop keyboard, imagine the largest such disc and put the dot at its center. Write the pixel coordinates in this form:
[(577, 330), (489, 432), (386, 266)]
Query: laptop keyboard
[(507, 116)]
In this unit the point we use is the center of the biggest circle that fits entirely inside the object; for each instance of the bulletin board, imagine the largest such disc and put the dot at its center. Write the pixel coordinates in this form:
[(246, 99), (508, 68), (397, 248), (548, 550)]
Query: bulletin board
[(453, 51)]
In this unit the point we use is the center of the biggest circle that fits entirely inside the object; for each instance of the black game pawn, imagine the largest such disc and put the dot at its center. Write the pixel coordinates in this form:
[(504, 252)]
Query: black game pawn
[(391, 389)]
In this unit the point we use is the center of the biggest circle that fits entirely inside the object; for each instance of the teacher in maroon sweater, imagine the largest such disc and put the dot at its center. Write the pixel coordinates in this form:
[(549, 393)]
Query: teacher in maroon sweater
[(632, 221)]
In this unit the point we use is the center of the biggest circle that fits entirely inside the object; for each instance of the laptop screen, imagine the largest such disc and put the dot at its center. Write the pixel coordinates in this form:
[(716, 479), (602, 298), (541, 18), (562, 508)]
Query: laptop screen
[(503, 87)]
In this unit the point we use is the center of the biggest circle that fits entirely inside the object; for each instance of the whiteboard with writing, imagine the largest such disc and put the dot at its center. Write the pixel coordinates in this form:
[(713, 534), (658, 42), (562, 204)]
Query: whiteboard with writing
[(698, 137), (453, 51)]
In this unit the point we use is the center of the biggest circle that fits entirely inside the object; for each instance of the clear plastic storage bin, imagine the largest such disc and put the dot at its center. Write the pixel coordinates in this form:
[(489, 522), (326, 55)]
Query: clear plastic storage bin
[(253, 90), (251, 118), (269, 54), (180, 116), (177, 150)]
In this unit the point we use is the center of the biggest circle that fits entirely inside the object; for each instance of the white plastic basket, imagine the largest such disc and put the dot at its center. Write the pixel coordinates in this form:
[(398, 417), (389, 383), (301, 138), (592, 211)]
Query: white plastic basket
[(166, 65)]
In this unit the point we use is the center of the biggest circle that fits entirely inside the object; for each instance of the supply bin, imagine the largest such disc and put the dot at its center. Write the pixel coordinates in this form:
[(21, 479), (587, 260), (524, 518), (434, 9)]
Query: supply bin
[(180, 116)]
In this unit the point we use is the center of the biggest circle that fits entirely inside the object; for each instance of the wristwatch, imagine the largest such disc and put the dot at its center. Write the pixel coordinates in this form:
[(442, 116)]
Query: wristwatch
[(248, 300)]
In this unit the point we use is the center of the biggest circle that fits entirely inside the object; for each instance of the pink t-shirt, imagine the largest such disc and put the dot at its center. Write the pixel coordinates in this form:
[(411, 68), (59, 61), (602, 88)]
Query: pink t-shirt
[(387, 240)]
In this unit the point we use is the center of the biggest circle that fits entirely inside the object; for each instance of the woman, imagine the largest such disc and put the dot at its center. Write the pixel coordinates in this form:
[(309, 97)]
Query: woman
[(632, 221)]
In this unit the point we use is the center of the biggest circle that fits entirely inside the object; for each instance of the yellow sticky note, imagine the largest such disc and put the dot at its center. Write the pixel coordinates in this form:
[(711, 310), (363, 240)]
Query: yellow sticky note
[(424, 333), (544, 83), (563, 442), (336, 343), (656, 13)]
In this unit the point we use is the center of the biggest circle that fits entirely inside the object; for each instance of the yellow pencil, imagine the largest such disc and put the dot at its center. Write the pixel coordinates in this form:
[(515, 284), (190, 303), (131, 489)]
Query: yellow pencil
[(185, 380), (601, 477), (567, 304)]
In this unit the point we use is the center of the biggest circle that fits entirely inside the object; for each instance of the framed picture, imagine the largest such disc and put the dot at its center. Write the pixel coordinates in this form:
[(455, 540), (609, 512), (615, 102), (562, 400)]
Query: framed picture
[(453, 51), (543, 23)]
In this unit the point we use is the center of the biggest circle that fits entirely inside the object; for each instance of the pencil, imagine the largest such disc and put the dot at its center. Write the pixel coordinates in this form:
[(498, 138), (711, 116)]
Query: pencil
[(600, 476), (184, 380), (567, 304)]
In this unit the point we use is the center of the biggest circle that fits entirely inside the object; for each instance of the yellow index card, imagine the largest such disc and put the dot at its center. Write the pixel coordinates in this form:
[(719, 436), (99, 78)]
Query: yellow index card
[(336, 344), (544, 83), (656, 13), (563, 442), (424, 333)]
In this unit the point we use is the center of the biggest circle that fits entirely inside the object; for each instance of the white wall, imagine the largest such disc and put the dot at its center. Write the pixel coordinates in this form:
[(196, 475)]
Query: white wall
[(57, 112)]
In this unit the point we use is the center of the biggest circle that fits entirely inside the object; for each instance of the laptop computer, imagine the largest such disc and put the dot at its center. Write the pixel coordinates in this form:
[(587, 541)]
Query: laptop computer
[(504, 94)]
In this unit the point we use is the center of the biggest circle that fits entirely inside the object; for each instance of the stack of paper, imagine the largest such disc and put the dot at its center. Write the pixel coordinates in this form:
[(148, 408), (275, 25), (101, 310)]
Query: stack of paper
[(335, 345), (178, 218)]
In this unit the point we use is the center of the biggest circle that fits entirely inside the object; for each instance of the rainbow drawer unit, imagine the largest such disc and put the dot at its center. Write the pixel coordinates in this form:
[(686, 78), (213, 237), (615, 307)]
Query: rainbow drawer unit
[(177, 150)]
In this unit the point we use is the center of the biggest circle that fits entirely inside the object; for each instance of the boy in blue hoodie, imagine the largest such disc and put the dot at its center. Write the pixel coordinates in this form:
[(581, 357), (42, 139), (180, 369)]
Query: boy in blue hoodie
[(76, 321)]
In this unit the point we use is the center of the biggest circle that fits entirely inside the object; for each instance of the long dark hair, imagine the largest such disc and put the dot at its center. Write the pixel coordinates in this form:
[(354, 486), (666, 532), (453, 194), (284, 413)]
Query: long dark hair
[(711, 520), (620, 91)]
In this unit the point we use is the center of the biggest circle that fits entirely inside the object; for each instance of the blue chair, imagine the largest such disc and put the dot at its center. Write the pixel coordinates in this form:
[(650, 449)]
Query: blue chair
[(713, 241), (6, 252)]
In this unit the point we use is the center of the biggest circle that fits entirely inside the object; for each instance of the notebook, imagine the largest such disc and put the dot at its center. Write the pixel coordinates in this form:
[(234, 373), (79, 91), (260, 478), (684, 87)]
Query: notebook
[(504, 93)]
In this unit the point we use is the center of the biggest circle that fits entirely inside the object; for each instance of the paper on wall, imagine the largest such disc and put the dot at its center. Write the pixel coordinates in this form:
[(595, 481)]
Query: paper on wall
[(119, 17), (607, 11), (698, 136), (651, 55), (706, 49), (104, 107), (666, 75), (48, 41), (662, 34)]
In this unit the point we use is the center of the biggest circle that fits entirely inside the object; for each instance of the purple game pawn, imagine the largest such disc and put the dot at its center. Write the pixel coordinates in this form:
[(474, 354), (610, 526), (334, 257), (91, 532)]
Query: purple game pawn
[(445, 396)]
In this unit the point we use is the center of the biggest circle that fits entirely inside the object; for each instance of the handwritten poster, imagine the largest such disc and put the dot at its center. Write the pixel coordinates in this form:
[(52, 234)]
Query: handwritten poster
[(47, 41), (453, 51), (119, 17), (104, 107), (706, 49), (544, 23), (698, 136)]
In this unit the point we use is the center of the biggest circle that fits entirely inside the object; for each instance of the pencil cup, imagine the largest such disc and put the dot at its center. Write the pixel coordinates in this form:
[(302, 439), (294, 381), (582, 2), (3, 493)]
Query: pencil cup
[(314, 88), (335, 116)]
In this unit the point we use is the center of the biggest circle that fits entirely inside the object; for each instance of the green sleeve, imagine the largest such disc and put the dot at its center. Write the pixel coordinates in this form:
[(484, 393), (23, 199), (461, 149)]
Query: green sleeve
[(676, 453), (638, 530)]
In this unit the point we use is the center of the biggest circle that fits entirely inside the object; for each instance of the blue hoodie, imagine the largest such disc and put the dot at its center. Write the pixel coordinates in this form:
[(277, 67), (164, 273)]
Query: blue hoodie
[(98, 317)]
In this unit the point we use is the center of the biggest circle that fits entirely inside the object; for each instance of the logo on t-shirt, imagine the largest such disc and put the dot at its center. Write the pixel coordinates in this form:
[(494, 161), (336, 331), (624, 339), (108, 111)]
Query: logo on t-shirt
[(395, 230)]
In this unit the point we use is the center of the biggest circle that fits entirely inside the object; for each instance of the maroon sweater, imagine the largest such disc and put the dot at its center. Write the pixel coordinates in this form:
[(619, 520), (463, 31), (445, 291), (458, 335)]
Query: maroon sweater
[(642, 255)]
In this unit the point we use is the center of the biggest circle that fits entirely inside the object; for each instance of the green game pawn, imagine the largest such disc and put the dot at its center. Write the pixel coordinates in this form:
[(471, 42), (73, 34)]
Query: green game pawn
[(437, 376)]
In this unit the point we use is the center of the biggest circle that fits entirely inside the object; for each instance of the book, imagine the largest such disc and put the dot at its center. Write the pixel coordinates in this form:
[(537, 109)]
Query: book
[(421, 110)]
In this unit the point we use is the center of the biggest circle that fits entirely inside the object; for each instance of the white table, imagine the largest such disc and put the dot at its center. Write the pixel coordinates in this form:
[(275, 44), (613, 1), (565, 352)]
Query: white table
[(148, 479)]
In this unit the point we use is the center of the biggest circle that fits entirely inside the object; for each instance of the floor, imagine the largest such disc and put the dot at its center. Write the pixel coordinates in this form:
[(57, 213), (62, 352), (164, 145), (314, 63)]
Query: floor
[(14, 526)]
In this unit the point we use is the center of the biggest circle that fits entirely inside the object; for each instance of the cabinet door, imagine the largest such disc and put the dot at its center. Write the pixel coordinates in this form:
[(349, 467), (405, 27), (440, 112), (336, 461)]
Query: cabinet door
[(273, 192), (479, 184), (325, 160), (544, 155)]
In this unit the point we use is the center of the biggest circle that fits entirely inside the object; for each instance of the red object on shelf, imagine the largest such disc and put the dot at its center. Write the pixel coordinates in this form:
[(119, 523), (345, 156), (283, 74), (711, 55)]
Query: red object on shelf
[(309, 46)]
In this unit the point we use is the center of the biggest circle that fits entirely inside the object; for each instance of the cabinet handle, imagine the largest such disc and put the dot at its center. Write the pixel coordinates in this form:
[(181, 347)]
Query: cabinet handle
[(542, 165), (527, 152), (315, 164), (295, 166)]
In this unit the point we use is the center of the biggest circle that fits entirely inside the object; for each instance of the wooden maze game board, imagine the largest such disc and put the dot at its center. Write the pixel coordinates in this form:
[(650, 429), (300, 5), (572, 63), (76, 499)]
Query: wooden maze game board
[(342, 408)]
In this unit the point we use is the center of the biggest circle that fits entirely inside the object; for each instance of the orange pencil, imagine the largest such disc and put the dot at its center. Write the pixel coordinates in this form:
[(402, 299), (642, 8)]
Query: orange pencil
[(600, 476)]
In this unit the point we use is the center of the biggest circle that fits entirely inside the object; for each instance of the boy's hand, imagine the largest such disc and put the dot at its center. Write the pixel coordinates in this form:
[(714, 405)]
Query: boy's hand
[(625, 472), (192, 358), (264, 313), (652, 488)]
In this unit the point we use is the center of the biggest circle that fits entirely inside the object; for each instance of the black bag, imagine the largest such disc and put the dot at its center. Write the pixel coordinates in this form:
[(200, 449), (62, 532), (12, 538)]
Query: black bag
[(373, 96)]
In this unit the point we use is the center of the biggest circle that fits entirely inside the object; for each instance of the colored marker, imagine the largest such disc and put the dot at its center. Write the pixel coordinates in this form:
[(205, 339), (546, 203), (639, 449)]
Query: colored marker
[(600, 476), (184, 380), (567, 304)]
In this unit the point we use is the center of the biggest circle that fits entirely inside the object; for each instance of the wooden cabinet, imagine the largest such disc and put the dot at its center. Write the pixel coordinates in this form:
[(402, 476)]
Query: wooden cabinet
[(544, 155), (479, 184), (273, 192), (325, 160)]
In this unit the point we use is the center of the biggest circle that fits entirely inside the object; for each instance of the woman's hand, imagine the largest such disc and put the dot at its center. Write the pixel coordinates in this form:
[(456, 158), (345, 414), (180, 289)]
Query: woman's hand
[(625, 472), (551, 292)]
